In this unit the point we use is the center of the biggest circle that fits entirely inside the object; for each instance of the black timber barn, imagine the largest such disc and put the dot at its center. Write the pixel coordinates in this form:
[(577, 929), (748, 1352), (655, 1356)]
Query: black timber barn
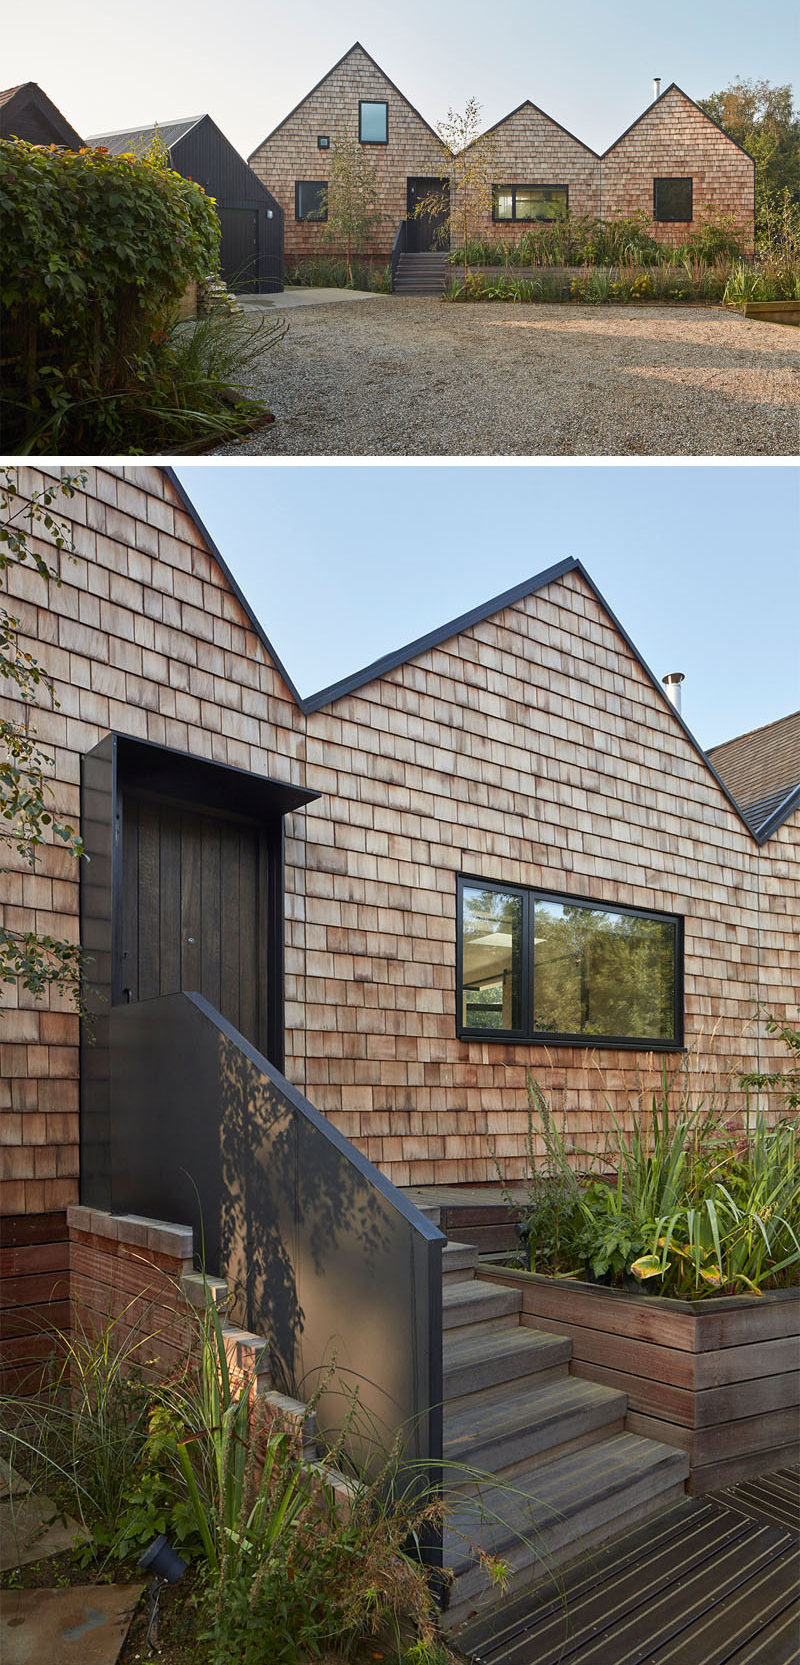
[(27, 113), (251, 245)]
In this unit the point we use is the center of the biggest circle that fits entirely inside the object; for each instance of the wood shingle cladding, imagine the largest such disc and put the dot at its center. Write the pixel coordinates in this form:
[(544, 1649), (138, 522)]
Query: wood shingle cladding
[(675, 140), (334, 108), (672, 156), (527, 745)]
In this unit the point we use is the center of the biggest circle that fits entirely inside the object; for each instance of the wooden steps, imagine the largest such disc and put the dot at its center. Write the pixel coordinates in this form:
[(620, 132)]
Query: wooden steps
[(542, 1467), (421, 274)]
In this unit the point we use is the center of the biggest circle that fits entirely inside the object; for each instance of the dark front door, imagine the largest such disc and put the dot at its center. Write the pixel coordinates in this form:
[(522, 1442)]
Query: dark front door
[(238, 248), (428, 230), (195, 909)]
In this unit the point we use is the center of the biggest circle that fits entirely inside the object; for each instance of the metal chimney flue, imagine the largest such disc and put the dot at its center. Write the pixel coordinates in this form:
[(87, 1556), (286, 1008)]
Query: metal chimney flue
[(656, 87), (672, 683)]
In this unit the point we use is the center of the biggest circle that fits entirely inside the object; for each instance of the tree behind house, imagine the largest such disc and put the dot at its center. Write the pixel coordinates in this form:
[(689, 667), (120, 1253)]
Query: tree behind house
[(353, 201)]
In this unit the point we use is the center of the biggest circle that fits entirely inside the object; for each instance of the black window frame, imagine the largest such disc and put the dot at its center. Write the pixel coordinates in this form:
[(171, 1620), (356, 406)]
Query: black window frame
[(540, 185), (526, 1035), (309, 219), (323, 141), (673, 179), (385, 103)]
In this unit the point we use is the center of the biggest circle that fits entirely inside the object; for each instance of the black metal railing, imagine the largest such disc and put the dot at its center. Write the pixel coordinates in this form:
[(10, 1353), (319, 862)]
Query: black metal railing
[(399, 246), (329, 1259)]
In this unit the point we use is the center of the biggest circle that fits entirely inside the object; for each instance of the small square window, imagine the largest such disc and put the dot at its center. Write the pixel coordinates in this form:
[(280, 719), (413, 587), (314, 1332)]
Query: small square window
[(672, 199), (323, 141), (311, 199), (373, 123)]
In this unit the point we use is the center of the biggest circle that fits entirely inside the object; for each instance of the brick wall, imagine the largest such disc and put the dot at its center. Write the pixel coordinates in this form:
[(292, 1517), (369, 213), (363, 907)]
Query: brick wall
[(291, 152), (531, 749), (674, 139)]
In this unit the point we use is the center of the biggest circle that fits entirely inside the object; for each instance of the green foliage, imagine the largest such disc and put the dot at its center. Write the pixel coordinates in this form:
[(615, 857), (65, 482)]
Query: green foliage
[(552, 1221), (762, 118), (319, 273), (27, 820), (352, 200), (96, 252), (786, 1082)]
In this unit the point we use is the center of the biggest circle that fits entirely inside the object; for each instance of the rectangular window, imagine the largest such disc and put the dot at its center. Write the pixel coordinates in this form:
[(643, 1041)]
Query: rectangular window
[(521, 203), (373, 123), (672, 199), (539, 967), (323, 141), (311, 199)]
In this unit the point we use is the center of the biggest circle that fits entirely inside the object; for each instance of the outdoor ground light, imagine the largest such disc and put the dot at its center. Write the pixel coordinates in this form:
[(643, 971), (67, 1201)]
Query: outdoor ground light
[(166, 1567)]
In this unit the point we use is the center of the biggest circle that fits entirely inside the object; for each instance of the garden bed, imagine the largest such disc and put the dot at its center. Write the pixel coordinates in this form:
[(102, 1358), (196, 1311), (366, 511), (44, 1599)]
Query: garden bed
[(717, 1377)]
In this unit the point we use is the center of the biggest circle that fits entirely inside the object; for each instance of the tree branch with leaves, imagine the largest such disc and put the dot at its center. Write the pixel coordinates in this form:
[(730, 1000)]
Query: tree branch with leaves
[(28, 820)]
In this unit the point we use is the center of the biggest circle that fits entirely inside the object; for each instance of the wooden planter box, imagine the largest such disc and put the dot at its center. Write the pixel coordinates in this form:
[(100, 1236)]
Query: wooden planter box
[(718, 1378), (773, 312)]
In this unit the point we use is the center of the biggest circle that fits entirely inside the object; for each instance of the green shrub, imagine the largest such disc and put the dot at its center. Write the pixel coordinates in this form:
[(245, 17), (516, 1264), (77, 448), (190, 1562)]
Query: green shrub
[(319, 272), (95, 253)]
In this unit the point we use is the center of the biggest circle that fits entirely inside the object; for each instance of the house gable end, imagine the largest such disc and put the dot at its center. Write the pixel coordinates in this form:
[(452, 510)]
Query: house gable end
[(668, 91), (355, 48), (528, 104), (28, 99)]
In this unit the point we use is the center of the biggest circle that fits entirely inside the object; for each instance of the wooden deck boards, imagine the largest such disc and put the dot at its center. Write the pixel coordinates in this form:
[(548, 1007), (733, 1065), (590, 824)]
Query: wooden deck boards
[(711, 1582)]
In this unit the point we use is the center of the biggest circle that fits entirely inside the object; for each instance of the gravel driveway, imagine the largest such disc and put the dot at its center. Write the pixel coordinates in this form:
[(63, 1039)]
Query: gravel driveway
[(402, 376)]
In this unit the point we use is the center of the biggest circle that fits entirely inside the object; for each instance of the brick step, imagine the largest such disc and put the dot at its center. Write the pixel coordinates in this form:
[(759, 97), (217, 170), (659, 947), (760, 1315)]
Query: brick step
[(510, 1356), (505, 1427), (469, 1304), (561, 1509)]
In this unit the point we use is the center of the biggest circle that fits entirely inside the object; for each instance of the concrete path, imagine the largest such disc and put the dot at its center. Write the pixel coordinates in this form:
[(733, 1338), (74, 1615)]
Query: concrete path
[(291, 298)]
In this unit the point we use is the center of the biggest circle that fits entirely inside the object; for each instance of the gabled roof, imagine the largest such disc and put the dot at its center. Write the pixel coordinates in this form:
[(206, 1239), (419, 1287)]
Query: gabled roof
[(528, 104), (446, 632), (17, 100), (762, 770), (356, 47), (673, 87), (139, 139)]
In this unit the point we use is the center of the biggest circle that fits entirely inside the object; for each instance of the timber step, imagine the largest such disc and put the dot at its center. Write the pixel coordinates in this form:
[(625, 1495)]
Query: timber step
[(555, 1513), (504, 1426), (472, 1302), (459, 1262), (421, 274), (474, 1362)]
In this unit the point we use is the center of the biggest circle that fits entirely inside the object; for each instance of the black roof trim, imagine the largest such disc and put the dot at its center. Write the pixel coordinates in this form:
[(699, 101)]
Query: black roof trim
[(47, 108), (673, 87), (239, 594), (356, 47), (528, 104), (784, 809), (454, 627)]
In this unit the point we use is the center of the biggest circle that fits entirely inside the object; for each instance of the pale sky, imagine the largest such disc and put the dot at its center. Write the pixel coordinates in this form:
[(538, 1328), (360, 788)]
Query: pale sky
[(589, 65), (701, 565)]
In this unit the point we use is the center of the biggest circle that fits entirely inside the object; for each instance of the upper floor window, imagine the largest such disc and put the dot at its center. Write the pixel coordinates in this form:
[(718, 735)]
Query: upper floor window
[(530, 202), (323, 141), (672, 199), (373, 122), (311, 199), (534, 966)]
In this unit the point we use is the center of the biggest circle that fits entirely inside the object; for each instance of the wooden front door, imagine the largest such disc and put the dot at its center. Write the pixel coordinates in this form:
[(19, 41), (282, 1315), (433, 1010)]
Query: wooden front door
[(423, 232), (195, 912)]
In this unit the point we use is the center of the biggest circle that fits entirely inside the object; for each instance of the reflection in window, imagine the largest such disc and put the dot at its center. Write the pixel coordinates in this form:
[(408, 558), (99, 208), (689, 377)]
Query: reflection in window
[(530, 202), (311, 199), (492, 944), (601, 973), (373, 122)]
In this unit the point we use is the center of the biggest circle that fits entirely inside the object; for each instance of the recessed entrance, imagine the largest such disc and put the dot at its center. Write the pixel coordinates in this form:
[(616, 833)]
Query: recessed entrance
[(424, 231)]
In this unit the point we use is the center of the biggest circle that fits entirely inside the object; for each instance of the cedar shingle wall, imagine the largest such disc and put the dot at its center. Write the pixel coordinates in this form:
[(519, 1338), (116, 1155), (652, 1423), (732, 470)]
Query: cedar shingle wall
[(531, 749), (291, 153), (530, 149), (675, 139)]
